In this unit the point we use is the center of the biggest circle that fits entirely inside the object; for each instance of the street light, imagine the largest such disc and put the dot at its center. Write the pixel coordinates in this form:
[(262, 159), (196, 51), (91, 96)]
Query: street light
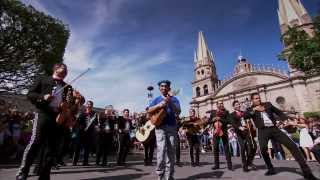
[(150, 95)]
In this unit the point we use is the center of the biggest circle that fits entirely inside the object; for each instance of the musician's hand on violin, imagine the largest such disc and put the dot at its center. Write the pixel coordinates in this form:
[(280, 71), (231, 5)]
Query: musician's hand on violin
[(48, 97)]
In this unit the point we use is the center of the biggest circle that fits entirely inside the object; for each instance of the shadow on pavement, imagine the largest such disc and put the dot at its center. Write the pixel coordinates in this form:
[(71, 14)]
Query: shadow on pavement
[(208, 175), (120, 177)]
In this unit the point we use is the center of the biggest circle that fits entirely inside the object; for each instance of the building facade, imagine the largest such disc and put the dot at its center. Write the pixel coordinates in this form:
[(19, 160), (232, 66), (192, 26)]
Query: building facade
[(290, 91)]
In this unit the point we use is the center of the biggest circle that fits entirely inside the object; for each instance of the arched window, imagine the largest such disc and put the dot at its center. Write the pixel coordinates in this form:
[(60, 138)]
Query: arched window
[(198, 91), (202, 71), (205, 90)]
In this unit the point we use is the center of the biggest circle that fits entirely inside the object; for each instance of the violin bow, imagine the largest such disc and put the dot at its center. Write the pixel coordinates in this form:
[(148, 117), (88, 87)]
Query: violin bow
[(72, 81)]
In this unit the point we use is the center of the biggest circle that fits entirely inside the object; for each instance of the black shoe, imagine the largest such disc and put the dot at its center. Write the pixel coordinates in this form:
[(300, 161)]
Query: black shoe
[(230, 168), (193, 164), (270, 172), (197, 164), (245, 169), (309, 176), (61, 163), (21, 177), (85, 164), (215, 167)]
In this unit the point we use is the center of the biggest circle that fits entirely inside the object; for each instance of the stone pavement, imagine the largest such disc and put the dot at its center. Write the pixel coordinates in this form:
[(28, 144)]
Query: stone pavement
[(287, 170)]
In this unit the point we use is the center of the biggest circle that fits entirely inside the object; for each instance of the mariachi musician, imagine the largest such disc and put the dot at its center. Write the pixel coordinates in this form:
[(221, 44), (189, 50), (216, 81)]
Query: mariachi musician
[(193, 128), (86, 124), (124, 125), (52, 97), (246, 134), (106, 121), (220, 119), (150, 143)]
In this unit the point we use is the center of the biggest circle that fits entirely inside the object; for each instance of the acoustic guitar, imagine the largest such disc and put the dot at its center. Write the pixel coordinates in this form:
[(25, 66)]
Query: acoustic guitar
[(157, 117), (143, 133)]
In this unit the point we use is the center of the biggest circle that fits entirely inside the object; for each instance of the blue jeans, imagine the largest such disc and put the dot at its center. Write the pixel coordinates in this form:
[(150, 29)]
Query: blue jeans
[(166, 142)]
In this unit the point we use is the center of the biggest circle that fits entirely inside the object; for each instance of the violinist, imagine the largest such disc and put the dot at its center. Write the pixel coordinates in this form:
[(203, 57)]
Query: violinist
[(87, 123), (220, 119), (245, 134), (263, 117), (46, 95)]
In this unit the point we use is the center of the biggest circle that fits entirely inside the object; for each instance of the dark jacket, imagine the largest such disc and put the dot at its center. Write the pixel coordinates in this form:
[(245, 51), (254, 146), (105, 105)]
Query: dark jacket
[(236, 122), (84, 120), (44, 85), (225, 119), (271, 112)]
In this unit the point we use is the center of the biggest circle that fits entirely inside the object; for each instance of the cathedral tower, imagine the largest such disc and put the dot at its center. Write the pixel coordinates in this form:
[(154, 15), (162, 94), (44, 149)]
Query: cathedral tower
[(292, 13), (205, 76)]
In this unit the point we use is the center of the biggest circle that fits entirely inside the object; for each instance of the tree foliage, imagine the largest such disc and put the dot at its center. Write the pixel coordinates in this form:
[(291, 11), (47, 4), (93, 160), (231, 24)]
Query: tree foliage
[(302, 51), (30, 43)]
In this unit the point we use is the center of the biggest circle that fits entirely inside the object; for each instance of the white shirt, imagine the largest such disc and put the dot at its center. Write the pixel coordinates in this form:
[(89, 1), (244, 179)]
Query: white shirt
[(266, 120), (57, 98)]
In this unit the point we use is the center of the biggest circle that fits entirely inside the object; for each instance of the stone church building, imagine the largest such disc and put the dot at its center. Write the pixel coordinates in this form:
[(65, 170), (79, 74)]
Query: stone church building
[(290, 91)]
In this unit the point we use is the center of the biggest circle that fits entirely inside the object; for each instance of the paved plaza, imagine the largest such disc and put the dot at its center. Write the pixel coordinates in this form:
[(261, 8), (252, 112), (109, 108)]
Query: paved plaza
[(287, 170)]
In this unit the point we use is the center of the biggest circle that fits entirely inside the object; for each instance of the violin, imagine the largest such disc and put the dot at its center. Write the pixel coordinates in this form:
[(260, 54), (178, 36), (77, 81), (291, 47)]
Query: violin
[(69, 108), (218, 124)]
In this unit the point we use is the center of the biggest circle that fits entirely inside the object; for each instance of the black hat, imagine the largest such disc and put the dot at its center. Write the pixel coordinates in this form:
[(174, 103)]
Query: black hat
[(166, 82)]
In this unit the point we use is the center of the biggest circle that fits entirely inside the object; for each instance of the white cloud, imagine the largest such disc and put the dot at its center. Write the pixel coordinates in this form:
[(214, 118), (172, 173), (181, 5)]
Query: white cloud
[(120, 80)]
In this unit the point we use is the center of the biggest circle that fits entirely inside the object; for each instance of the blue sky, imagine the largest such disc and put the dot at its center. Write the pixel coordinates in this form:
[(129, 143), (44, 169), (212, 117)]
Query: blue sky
[(130, 44)]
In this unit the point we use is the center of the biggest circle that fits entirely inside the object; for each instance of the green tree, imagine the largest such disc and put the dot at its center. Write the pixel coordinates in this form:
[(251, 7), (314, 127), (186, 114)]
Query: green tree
[(303, 51), (30, 43)]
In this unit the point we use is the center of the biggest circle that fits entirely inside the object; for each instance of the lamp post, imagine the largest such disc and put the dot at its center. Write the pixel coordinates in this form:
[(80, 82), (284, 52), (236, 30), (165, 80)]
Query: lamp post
[(150, 95)]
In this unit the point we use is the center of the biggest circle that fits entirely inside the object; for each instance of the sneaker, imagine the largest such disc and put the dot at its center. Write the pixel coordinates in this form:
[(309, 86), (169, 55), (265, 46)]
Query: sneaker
[(21, 176), (253, 167)]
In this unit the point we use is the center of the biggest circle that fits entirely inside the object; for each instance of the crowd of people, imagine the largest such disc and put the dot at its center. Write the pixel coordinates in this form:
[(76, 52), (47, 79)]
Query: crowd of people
[(15, 130), (304, 132)]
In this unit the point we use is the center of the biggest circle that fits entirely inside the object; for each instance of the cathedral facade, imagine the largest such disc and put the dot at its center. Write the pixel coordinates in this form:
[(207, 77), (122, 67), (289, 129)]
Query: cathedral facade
[(291, 91)]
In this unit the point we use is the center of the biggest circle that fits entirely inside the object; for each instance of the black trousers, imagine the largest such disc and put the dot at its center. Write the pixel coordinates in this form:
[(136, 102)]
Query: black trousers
[(124, 146), (316, 151), (105, 141), (64, 144), (178, 149), (264, 134), (43, 131), (85, 141), (149, 146), (248, 148), (194, 144), (225, 142)]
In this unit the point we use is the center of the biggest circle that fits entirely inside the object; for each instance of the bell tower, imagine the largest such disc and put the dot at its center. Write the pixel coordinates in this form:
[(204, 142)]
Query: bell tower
[(205, 75)]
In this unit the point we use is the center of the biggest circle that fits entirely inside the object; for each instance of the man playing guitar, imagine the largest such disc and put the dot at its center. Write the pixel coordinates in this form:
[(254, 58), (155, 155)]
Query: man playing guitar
[(166, 132)]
